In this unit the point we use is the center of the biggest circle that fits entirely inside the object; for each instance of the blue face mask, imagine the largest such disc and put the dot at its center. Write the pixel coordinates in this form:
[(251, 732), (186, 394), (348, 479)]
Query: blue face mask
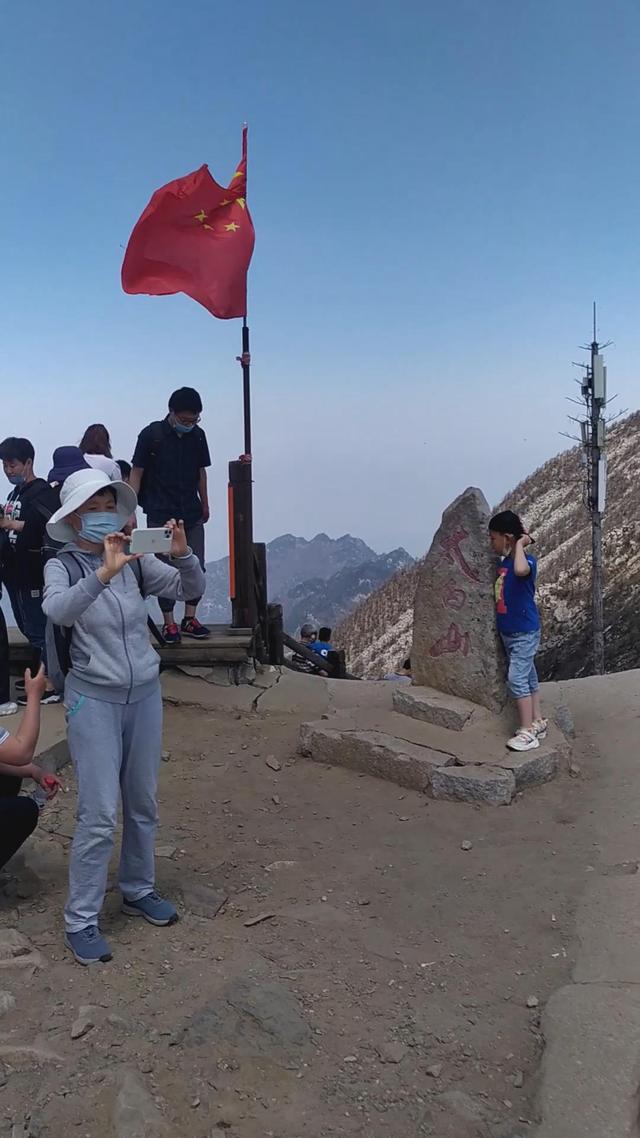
[(97, 525), (16, 479), (181, 429)]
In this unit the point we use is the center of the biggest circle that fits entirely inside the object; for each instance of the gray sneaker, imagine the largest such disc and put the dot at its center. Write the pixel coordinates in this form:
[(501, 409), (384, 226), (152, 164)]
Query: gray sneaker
[(153, 908), (89, 946)]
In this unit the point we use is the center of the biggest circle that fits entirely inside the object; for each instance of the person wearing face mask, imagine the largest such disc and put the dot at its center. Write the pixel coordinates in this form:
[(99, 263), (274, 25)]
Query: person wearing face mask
[(26, 512), (169, 476), (112, 697), (518, 623)]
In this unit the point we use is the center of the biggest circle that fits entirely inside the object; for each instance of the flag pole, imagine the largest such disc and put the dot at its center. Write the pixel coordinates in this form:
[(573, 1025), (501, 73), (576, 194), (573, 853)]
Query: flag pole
[(242, 576), (245, 358)]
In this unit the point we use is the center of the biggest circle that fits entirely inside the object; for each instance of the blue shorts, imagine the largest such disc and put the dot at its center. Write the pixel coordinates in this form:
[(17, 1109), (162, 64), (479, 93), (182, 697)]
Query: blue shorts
[(521, 648)]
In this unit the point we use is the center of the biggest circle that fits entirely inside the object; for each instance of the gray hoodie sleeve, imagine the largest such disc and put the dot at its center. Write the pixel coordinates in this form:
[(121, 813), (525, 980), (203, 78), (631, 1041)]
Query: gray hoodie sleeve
[(179, 579), (63, 603)]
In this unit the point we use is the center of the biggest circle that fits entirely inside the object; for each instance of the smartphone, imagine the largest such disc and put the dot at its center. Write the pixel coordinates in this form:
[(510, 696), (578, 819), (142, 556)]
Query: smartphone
[(150, 541)]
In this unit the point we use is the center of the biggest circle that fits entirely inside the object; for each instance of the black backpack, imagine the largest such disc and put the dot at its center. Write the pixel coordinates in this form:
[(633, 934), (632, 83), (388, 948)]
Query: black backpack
[(58, 638), (157, 435)]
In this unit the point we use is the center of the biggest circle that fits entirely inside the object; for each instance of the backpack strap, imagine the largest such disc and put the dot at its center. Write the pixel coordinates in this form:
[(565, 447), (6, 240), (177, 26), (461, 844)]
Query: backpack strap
[(62, 636), (73, 565), (157, 433), (151, 624)]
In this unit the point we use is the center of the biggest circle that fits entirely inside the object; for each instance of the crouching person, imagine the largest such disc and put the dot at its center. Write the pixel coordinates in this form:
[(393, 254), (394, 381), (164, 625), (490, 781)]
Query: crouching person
[(95, 589), (19, 813)]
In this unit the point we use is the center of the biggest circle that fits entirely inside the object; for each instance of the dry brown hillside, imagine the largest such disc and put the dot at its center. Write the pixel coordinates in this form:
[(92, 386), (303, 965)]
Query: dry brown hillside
[(378, 634)]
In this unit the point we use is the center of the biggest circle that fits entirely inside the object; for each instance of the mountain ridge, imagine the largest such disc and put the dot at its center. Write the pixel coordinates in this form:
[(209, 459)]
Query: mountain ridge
[(318, 579), (377, 635)]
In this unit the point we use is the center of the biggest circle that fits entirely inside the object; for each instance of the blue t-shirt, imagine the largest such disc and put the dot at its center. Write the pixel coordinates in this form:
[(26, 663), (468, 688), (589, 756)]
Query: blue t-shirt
[(322, 647), (516, 609)]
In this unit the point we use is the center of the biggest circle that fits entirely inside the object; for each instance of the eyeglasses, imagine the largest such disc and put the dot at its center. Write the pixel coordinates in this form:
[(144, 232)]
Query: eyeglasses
[(187, 420)]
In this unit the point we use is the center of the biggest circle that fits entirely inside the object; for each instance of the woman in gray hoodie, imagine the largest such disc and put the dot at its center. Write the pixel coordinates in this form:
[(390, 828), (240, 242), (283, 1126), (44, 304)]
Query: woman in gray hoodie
[(112, 697)]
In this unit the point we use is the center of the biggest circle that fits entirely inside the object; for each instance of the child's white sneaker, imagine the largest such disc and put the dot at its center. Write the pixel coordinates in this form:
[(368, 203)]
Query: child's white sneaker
[(524, 740), (541, 726)]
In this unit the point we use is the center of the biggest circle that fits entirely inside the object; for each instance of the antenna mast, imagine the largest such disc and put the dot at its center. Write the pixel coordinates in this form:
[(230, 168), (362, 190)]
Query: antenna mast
[(593, 429)]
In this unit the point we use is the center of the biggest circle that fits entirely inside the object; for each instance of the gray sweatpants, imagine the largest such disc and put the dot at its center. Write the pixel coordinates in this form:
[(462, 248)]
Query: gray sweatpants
[(115, 750)]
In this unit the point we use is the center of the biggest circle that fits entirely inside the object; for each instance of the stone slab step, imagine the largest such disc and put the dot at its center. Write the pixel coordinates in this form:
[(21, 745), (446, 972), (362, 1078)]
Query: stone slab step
[(373, 752), (434, 707), (484, 741), (532, 768), (430, 759), (493, 785)]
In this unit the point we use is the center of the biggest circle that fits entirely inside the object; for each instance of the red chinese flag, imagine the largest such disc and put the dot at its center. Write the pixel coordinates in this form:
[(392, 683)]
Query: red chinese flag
[(194, 237)]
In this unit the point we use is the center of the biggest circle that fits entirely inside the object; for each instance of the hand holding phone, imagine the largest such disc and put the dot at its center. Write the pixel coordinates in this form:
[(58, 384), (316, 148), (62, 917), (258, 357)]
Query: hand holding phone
[(151, 541)]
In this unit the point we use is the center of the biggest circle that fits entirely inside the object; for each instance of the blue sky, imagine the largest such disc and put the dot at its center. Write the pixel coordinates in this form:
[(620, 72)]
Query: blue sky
[(439, 193)]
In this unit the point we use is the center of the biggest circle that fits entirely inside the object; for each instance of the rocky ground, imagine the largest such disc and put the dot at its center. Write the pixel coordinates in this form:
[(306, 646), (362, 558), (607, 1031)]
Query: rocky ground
[(344, 965)]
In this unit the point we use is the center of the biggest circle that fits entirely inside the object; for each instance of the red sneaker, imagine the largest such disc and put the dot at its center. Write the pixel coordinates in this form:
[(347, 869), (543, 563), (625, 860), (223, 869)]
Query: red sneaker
[(193, 628), (171, 634)]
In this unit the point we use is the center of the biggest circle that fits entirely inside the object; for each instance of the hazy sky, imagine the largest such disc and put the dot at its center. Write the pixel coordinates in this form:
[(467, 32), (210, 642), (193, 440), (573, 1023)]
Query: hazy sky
[(439, 191)]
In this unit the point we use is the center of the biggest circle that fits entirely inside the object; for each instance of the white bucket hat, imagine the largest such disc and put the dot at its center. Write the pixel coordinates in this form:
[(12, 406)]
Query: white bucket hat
[(76, 490)]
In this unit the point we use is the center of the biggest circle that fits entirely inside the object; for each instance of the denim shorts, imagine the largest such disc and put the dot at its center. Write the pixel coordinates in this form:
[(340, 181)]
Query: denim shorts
[(521, 648)]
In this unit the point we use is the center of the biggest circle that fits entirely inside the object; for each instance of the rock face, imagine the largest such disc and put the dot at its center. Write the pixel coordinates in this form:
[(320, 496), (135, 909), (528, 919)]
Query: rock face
[(455, 643)]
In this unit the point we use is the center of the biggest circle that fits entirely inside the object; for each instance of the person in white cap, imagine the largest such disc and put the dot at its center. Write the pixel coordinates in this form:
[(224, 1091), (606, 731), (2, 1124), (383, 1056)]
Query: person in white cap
[(112, 697)]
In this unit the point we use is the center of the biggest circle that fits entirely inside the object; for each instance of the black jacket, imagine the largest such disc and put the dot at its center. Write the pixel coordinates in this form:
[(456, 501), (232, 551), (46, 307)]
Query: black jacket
[(22, 553)]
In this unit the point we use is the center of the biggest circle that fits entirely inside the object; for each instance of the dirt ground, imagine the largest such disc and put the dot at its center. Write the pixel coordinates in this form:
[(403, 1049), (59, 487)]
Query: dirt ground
[(384, 994)]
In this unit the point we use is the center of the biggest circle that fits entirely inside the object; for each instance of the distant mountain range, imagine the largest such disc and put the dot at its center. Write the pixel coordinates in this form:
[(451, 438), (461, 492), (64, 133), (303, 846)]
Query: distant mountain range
[(319, 581)]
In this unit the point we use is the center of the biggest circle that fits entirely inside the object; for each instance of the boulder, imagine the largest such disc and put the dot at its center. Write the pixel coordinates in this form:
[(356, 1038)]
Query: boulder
[(456, 648)]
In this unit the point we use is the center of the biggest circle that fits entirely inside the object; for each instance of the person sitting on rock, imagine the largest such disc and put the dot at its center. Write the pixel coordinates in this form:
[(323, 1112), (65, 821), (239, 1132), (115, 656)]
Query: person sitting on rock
[(307, 635), (19, 813), (518, 624)]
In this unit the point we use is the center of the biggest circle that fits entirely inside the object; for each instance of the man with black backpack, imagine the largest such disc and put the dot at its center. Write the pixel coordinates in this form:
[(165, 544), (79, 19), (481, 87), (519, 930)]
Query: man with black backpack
[(170, 478), (23, 527)]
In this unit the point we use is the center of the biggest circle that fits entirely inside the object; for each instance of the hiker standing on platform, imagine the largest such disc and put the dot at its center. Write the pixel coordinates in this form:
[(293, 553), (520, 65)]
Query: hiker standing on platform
[(112, 696), (170, 478)]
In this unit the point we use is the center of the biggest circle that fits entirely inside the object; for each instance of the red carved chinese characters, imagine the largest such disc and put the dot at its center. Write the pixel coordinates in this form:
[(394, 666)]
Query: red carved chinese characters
[(450, 546), (453, 597), (454, 640)]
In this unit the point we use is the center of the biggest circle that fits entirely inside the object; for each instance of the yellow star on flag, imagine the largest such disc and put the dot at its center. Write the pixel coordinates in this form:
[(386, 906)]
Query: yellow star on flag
[(231, 227), (241, 202), (238, 174), (202, 216)]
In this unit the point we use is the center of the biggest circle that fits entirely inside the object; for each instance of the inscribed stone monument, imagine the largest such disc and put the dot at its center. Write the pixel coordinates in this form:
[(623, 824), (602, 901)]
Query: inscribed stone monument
[(456, 648)]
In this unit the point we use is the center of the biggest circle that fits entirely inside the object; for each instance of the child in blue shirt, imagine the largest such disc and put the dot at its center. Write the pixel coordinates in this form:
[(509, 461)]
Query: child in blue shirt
[(518, 623), (323, 644)]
